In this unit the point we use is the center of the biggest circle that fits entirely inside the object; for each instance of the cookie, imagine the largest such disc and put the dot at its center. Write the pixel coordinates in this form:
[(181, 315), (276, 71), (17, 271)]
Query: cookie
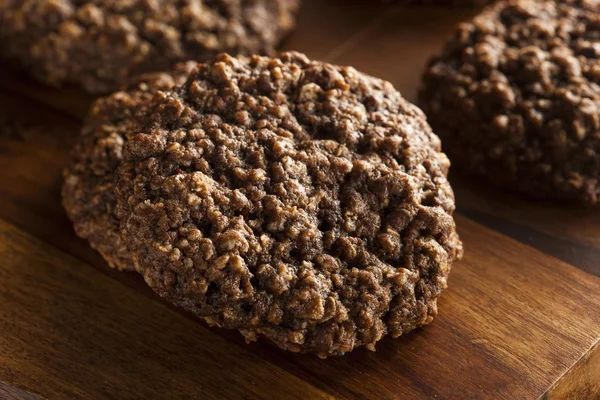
[(291, 199), (458, 3), (88, 180), (99, 45), (455, 3), (515, 96)]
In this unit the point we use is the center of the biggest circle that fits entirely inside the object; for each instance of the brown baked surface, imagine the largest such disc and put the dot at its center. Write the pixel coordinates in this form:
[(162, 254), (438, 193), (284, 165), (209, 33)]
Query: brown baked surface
[(88, 180), (101, 44), (515, 96), (290, 199), (458, 3)]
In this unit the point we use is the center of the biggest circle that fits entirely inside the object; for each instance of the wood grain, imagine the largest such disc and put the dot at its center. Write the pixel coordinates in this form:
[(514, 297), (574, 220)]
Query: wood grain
[(33, 152), (69, 100), (580, 382), (501, 287), (569, 232), (512, 322), (12, 393), (69, 332), (519, 320)]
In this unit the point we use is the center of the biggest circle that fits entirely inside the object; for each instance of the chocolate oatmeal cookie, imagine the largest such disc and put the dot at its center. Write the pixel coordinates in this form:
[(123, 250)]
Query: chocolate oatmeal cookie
[(101, 44), (290, 199), (455, 3), (88, 180), (458, 3), (515, 95)]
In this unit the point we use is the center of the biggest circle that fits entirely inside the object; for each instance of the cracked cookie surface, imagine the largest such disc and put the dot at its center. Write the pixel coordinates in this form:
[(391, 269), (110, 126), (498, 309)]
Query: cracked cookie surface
[(291, 199)]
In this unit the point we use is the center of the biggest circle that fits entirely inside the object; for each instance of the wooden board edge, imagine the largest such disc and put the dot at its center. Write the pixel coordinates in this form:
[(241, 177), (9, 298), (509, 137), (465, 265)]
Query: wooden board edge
[(8, 392), (581, 381)]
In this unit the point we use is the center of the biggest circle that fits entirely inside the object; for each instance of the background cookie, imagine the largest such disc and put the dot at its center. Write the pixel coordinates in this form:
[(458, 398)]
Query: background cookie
[(87, 191), (292, 199), (458, 3), (515, 95), (100, 44)]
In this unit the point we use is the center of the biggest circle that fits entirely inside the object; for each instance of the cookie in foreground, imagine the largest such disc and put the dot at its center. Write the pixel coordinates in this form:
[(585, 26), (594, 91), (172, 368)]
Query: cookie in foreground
[(291, 199), (87, 190), (515, 96), (101, 45)]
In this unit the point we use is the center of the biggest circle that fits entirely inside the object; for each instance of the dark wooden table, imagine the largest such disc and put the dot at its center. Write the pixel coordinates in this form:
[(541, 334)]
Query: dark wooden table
[(521, 319)]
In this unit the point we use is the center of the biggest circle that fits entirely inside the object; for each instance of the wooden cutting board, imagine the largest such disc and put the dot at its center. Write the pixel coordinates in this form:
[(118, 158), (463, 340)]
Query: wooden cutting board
[(521, 319)]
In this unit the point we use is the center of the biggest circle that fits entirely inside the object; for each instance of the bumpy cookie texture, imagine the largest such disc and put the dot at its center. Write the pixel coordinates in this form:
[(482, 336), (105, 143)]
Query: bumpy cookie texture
[(458, 3), (515, 96), (100, 44), (87, 190), (291, 199)]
